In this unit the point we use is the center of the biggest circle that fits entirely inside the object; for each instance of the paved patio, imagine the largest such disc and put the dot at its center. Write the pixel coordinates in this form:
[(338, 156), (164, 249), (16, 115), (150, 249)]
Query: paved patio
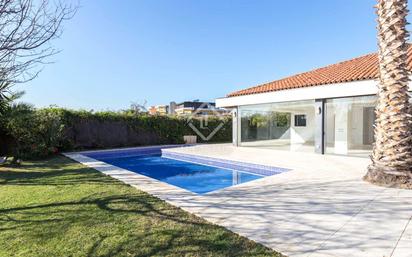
[(319, 208)]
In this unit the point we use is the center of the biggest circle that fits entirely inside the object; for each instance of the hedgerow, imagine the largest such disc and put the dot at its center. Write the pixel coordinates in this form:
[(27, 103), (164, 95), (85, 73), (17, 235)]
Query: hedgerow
[(37, 133)]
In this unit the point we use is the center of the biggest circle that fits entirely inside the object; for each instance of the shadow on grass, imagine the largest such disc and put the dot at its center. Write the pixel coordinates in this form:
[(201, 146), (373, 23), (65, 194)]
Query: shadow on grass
[(61, 173), (137, 204), (58, 171)]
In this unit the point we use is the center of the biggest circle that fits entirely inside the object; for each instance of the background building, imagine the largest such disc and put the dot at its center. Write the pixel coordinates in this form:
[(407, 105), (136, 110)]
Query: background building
[(159, 110), (187, 108), (198, 108)]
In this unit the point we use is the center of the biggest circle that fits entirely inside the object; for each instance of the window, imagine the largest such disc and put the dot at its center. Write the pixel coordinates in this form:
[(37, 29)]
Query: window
[(300, 120), (269, 125)]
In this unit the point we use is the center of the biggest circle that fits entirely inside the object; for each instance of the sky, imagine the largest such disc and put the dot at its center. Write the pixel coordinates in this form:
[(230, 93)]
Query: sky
[(114, 53)]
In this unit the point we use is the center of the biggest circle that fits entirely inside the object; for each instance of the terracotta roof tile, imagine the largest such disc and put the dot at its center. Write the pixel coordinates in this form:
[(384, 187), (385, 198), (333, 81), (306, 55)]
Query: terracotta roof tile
[(361, 68)]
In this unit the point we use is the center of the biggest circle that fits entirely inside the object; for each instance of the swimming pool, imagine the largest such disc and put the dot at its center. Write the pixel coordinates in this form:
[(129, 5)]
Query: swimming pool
[(195, 177)]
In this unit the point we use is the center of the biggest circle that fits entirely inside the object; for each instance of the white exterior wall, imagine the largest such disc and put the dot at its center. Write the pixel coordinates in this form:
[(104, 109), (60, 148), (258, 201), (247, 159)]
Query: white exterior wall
[(301, 135), (235, 127)]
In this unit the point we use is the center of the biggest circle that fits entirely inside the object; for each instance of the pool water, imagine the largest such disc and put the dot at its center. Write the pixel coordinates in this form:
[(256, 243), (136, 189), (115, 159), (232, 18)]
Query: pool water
[(197, 178)]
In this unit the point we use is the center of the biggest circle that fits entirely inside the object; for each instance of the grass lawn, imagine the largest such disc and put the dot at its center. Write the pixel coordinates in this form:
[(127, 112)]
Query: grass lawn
[(61, 208)]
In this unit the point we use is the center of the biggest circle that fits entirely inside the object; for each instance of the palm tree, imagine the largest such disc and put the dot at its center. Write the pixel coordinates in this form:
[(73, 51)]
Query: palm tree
[(392, 152), (5, 95)]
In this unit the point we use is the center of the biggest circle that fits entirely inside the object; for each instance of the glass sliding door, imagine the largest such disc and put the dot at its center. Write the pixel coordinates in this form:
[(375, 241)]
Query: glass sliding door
[(349, 125), (284, 126)]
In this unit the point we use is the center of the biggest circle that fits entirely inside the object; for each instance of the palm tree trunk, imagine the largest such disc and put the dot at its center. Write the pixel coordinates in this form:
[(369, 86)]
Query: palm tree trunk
[(392, 152)]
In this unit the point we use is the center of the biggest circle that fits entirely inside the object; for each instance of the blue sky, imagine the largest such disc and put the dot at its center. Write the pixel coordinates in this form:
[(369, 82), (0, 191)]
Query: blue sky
[(118, 52)]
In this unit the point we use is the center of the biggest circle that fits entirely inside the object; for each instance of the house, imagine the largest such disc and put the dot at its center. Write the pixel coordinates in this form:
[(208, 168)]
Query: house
[(329, 110), (197, 108), (159, 110)]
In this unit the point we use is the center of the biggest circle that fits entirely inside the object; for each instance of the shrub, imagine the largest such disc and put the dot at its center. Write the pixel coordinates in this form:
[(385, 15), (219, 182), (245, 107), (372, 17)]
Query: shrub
[(36, 133)]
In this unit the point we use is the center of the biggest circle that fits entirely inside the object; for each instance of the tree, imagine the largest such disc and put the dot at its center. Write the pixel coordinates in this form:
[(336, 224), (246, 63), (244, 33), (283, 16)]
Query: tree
[(392, 152), (26, 29), (138, 108)]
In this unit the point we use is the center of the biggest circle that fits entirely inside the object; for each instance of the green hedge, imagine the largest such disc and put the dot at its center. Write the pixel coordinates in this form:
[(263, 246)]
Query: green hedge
[(37, 133)]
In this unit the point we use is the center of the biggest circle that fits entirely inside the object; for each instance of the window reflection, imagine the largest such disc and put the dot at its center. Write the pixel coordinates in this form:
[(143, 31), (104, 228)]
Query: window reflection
[(271, 126)]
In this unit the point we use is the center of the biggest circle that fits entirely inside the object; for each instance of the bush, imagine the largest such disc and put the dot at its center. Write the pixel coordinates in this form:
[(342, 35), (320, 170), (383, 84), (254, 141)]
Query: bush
[(38, 133)]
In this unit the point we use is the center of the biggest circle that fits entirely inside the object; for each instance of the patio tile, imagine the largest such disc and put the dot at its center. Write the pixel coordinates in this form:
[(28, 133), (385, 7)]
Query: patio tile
[(404, 247)]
